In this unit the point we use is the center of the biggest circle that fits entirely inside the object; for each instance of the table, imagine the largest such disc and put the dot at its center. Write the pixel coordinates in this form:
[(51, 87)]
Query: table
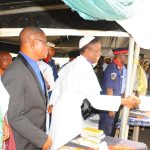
[(136, 119), (117, 141)]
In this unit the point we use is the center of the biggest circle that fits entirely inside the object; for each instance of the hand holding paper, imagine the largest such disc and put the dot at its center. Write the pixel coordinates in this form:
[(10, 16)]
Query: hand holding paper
[(131, 101)]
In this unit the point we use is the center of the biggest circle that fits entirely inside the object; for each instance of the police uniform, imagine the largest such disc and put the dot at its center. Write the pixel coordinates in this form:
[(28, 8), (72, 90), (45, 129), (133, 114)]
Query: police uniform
[(113, 76)]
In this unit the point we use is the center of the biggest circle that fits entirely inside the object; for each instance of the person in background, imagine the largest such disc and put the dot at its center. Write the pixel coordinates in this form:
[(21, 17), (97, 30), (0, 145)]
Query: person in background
[(98, 69), (4, 127), (26, 87), (49, 78), (72, 55), (78, 81), (5, 61), (112, 86), (148, 80), (124, 76), (47, 73), (50, 61), (107, 61), (140, 85), (146, 66)]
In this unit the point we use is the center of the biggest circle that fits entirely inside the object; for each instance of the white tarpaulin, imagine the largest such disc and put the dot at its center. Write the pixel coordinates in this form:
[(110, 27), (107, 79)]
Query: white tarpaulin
[(139, 25)]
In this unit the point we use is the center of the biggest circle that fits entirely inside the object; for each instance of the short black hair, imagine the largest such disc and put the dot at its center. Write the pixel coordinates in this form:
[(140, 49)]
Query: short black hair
[(141, 56), (73, 53)]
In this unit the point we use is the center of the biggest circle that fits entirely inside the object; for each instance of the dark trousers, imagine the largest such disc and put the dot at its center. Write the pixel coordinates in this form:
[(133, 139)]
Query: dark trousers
[(105, 123)]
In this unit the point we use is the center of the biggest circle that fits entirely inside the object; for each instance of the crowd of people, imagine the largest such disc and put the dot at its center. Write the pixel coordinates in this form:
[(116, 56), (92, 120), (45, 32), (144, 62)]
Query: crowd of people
[(44, 110)]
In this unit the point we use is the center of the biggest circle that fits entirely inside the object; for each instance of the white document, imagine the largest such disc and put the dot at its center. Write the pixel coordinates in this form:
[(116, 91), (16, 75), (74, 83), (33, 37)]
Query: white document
[(145, 103), (103, 146)]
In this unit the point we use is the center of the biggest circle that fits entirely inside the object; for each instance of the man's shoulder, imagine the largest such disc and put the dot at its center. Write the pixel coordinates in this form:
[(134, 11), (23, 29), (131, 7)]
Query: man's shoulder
[(111, 67), (15, 64), (14, 68), (112, 64)]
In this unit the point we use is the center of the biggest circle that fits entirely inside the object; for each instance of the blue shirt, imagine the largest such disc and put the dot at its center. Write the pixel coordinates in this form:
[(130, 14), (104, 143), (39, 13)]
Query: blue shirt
[(113, 79), (36, 69)]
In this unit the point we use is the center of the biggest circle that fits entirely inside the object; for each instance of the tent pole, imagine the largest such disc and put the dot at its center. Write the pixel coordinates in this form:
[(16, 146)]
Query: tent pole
[(10, 32), (135, 62), (124, 131)]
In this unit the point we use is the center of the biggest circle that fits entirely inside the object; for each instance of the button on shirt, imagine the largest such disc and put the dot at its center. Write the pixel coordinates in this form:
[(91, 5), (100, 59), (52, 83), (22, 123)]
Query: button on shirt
[(34, 65)]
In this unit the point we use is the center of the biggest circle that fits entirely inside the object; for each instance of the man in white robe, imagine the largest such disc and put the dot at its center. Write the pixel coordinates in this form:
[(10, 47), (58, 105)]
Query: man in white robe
[(76, 82)]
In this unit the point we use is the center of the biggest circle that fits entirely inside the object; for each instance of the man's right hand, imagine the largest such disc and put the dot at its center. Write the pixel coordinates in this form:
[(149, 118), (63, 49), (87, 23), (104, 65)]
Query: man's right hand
[(47, 144), (131, 101), (111, 114), (50, 107)]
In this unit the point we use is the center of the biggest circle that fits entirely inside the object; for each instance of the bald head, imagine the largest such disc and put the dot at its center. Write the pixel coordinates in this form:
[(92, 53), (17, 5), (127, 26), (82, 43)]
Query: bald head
[(4, 53), (27, 32), (33, 43)]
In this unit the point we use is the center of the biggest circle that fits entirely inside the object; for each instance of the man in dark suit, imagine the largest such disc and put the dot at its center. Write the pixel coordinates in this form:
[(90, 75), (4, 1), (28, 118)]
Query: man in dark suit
[(26, 87)]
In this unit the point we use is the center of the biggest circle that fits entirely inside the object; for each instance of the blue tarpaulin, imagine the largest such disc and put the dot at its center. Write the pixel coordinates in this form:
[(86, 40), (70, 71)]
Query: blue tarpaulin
[(104, 9)]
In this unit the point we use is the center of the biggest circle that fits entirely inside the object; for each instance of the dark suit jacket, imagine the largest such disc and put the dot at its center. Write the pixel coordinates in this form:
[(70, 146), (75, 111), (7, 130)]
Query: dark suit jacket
[(27, 106)]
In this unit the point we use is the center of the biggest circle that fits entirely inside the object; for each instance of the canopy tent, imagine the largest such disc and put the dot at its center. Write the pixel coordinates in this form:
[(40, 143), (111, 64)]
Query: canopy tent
[(135, 26), (104, 10), (5, 32), (54, 14), (139, 26), (109, 39), (66, 31), (126, 13), (58, 20)]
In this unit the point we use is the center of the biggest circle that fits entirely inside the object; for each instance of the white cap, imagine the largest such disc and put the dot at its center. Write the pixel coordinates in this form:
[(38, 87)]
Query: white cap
[(85, 40), (50, 44)]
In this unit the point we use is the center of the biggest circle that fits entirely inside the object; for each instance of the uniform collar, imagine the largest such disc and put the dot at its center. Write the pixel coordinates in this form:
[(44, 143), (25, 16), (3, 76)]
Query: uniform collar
[(118, 63)]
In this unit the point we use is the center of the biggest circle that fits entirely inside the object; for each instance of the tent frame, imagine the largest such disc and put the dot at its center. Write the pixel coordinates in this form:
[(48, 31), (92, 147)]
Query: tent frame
[(11, 32)]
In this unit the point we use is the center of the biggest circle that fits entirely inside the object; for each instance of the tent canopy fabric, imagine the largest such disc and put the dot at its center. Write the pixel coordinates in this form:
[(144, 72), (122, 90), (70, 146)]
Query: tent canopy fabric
[(139, 26), (104, 9), (124, 12)]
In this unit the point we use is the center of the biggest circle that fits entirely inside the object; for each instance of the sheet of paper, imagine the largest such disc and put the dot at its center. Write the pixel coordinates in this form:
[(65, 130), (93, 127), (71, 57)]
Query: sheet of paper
[(103, 146), (145, 103)]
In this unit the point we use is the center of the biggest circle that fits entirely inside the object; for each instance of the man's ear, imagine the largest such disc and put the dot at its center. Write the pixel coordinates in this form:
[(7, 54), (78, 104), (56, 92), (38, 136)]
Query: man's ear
[(33, 43)]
